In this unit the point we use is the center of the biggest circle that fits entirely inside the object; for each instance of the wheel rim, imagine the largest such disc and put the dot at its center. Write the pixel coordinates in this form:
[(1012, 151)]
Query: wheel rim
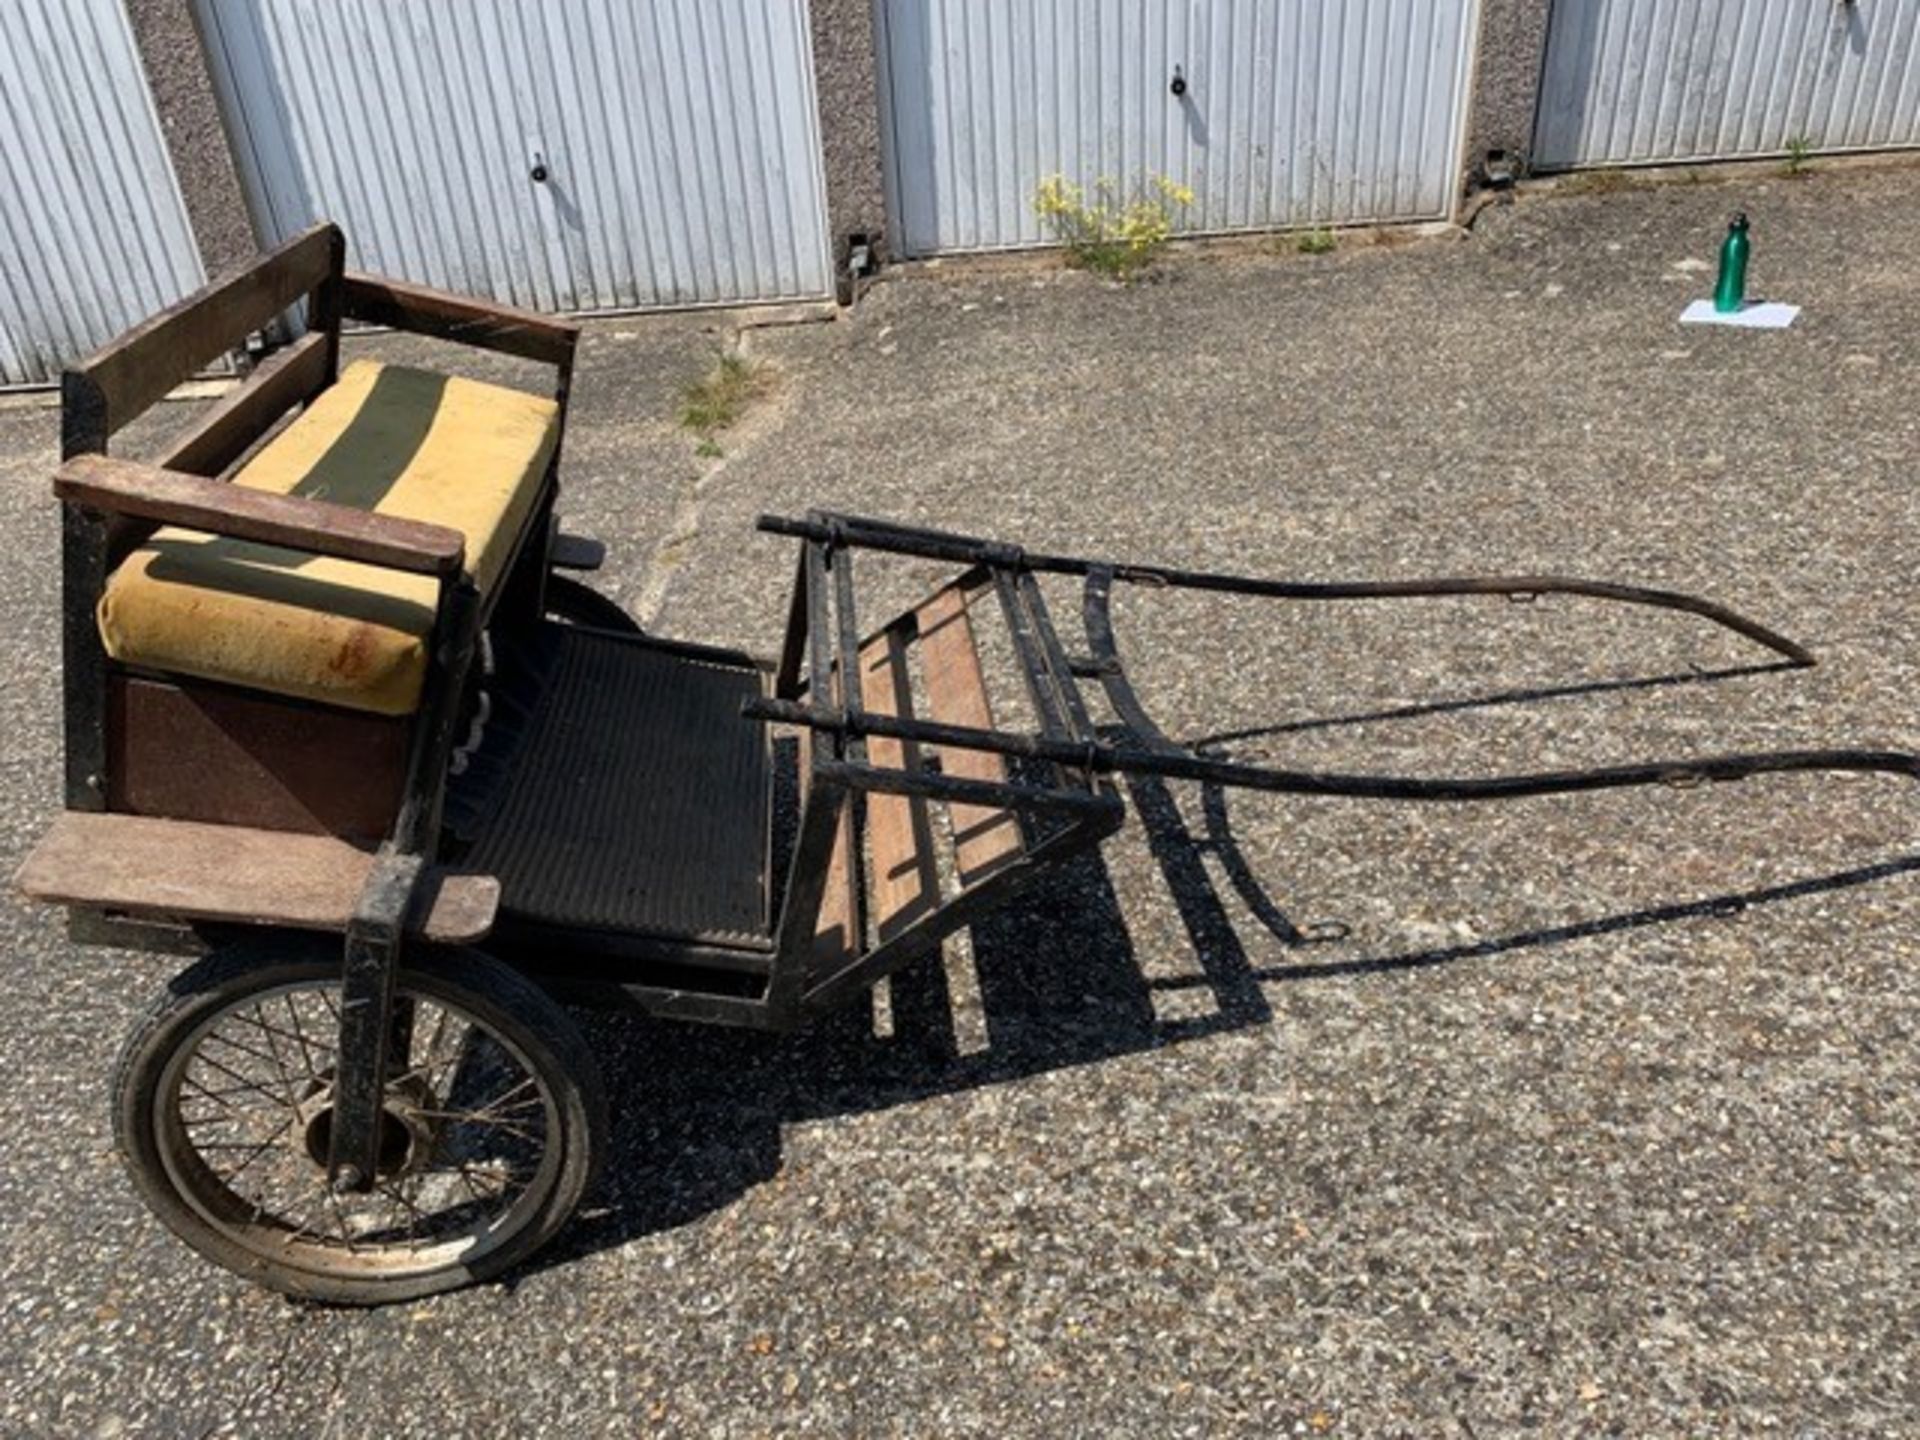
[(469, 1140)]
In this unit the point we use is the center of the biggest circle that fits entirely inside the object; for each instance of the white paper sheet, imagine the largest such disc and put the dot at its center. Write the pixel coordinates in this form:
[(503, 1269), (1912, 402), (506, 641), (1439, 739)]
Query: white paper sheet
[(1755, 315)]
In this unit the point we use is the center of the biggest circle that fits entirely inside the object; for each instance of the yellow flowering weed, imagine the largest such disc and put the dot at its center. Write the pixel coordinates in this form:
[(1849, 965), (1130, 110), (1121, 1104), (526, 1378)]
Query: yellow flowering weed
[(1118, 234)]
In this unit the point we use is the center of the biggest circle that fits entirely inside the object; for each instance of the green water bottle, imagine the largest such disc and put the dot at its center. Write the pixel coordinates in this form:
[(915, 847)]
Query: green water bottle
[(1731, 293)]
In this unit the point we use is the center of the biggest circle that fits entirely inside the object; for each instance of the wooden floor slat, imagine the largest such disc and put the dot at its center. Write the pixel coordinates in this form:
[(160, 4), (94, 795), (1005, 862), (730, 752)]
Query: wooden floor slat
[(905, 882), (834, 939), (985, 838)]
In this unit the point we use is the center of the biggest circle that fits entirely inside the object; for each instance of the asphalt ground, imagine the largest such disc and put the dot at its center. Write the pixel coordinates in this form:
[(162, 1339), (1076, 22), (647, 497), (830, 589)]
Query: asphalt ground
[(1589, 1114)]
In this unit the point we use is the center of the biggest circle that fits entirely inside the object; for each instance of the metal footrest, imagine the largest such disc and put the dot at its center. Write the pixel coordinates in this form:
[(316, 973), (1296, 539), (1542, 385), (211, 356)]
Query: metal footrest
[(637, 798)]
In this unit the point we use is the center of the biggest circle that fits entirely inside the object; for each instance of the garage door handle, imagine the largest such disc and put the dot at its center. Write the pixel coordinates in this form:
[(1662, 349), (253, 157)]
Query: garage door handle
[(1179, 85)]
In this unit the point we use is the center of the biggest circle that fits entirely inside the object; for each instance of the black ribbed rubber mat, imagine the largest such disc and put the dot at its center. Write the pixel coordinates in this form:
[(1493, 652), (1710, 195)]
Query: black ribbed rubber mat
[(638, 799)]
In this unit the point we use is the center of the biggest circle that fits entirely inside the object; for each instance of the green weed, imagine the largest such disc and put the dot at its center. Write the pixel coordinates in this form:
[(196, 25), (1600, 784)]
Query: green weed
[(718, 399)]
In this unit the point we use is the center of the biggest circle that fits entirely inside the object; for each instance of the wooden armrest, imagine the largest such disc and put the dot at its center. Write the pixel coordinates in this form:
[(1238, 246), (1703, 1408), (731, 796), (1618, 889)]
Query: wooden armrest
[(483, 323), (122, 487)]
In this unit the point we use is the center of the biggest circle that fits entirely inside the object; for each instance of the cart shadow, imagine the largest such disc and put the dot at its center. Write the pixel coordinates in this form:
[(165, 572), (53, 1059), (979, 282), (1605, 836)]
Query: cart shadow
[(1057, 984)]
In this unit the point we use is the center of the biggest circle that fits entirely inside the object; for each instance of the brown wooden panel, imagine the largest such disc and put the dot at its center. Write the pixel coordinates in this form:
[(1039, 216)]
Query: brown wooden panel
[(903, 882), (836, 939), (122, 487), (132, 372), (136, 865), (248, 411), (984, 838), (487, 324), (194, 751)]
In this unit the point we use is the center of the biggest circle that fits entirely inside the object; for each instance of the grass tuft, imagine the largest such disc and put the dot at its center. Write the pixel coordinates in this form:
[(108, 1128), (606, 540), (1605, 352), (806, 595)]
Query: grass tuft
[(718, 399)]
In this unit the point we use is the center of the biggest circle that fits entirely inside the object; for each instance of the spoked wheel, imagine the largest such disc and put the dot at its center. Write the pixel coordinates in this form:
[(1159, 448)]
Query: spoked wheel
[(493, 1124)]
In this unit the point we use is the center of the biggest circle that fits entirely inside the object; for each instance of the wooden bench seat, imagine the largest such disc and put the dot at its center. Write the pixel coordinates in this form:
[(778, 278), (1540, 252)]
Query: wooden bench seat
[(388, 439)]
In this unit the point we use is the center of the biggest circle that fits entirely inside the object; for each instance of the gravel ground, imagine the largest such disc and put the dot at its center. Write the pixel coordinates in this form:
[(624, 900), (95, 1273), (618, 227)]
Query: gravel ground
[(1581, 1115)]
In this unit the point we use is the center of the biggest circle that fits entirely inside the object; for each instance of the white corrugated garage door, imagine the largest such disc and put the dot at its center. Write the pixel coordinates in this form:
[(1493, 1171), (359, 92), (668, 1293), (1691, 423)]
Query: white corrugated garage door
[(1642, 81), (93, 233), (1289, 113), (676, 142)]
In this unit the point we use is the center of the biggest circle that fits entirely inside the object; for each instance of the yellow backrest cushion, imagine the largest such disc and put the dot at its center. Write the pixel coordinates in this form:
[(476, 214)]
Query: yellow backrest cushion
[(385, 438)]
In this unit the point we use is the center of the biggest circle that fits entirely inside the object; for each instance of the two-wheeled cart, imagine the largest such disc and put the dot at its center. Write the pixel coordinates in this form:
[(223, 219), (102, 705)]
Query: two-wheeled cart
[(335, 718)]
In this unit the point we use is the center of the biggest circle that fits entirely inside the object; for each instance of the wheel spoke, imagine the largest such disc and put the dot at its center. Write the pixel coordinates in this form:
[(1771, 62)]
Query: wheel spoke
[(425, 1068), (414, 1215), (506, 1178), (234, 1044), (217, 1097), (245, 1085), (300, 1037), (490, 1122), (286, 1075), (228, 1177), (346, 1227)]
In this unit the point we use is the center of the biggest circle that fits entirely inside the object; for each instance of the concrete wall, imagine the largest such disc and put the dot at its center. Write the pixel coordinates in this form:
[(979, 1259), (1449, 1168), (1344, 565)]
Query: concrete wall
[(1506, 83), (190, 118), (847, 72)]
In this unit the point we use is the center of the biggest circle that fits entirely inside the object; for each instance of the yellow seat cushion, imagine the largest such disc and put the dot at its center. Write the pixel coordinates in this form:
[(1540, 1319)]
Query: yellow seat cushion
[(385, 438)]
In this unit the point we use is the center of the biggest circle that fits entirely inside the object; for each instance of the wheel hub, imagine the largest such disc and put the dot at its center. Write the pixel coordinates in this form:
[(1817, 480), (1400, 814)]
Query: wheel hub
[(407, 1136)]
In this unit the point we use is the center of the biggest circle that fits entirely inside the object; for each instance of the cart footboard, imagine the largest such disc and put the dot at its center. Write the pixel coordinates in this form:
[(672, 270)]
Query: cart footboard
[(906, 840)]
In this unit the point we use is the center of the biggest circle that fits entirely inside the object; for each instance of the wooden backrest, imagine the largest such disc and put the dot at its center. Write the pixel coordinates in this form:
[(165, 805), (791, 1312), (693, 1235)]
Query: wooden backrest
[(118, 382)]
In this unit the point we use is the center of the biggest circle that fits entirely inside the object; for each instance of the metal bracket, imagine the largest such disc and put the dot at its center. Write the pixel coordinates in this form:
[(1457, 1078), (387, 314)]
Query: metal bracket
[(576, 552), (375, 935)]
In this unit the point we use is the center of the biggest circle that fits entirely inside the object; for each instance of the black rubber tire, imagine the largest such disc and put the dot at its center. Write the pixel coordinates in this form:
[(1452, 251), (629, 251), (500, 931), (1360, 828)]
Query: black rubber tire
[(489, 992), (578, 604)]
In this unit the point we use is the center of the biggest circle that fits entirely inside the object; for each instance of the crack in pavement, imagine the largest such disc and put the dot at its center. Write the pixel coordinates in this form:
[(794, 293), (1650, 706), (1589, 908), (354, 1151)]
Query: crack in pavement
[(670, 555)]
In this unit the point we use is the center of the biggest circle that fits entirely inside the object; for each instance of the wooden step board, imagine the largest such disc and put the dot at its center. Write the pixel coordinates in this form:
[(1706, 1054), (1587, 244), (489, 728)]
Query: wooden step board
[(985, 839), (902, 870), (138, 865), (834, 940)]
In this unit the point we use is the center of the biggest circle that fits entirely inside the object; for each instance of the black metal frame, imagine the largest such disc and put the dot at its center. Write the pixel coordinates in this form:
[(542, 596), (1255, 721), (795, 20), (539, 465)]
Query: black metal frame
[(1143, 748), (823, 643), (822, 646)]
